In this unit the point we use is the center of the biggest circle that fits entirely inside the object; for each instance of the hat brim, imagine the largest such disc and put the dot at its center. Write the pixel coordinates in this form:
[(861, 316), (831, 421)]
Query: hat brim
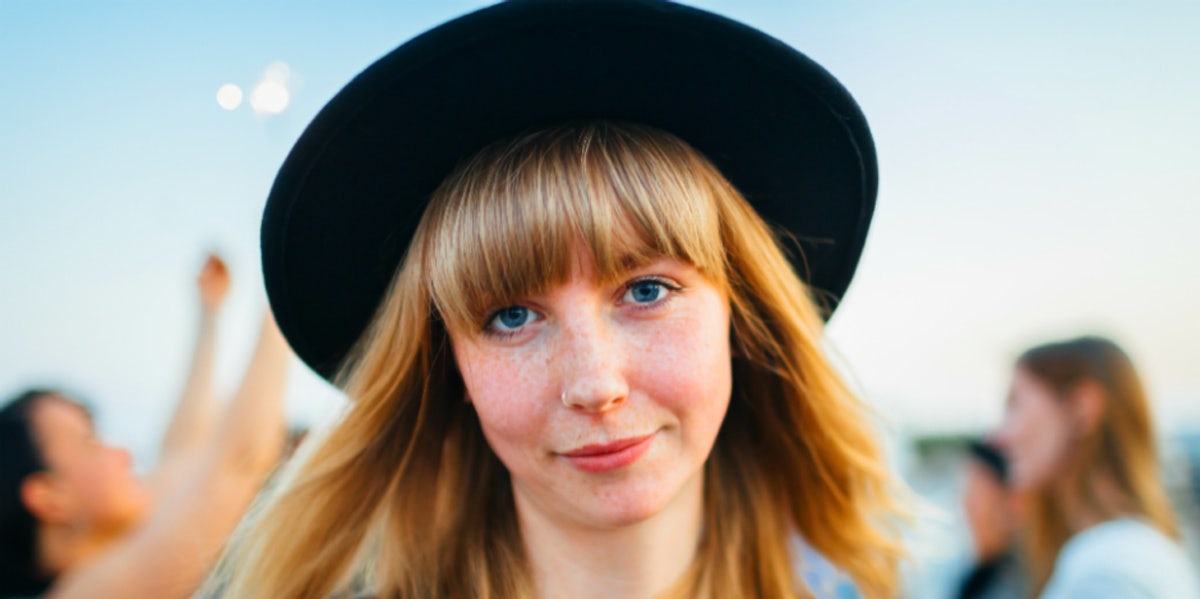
[(348, 198)]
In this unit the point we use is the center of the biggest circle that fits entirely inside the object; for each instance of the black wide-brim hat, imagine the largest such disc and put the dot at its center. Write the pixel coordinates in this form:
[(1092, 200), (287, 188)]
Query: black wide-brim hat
[(348, 198)]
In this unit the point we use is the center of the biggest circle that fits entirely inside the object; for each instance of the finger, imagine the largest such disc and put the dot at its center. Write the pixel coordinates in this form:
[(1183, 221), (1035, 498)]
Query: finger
[(218, 263)]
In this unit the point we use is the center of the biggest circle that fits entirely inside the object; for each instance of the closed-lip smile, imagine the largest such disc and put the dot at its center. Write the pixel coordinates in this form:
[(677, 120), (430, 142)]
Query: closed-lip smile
[(602, 457)]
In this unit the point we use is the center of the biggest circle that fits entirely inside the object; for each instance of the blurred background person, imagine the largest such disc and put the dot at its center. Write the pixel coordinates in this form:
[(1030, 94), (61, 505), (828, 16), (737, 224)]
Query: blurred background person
[(1079, 437), (993, 515), (76, 522)]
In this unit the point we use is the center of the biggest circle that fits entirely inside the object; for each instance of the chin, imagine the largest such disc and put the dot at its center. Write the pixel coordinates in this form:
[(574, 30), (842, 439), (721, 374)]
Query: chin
[(136, 507), (623, 513), (630, 503)]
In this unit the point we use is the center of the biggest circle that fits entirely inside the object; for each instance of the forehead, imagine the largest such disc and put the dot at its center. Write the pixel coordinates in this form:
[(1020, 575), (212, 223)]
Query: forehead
[(980, 472), (56, 421), (514, 223), (1033, 395), (1025, 382)]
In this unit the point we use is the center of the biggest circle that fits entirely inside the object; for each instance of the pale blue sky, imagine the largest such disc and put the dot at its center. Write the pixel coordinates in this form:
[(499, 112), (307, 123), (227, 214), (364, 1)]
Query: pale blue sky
[(1038, 168)]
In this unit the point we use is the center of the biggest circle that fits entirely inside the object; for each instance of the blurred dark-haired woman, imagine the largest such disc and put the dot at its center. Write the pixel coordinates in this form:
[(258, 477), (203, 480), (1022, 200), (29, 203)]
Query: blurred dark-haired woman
[(1079, 437), (76, 522), (992, 511)]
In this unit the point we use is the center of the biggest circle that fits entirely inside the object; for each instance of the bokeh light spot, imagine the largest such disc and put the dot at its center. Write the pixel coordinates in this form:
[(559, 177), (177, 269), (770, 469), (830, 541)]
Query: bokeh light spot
[(229, 96), (269, 97)]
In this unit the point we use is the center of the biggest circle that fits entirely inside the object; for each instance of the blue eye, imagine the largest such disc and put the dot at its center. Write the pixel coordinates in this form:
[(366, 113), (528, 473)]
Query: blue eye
[(645, 292), (512, 317)]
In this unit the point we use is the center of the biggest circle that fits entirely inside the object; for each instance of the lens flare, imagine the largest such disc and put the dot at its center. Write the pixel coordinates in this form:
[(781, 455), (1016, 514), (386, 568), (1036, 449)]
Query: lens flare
[(229, 96), (269, 97)]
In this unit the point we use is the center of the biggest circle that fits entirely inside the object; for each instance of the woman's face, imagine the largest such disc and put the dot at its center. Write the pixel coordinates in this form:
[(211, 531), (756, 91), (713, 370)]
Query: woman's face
[(94, 483), (603, 400), (1037, 433)]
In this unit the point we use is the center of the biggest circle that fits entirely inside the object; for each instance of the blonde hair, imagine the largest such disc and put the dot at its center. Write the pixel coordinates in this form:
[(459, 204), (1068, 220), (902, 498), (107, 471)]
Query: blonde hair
[(370, 505), (1121, 450)]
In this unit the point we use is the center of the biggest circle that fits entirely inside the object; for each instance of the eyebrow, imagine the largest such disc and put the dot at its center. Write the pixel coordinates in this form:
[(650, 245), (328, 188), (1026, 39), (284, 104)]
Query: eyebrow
[(628, 262)]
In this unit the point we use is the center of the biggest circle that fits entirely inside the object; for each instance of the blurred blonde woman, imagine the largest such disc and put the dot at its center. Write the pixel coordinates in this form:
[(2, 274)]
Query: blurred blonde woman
[(1080, 438), (580, 360)]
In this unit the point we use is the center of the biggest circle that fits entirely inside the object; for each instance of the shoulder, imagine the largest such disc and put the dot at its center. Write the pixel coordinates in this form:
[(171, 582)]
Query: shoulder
[(1117, 542), (1122, 558)]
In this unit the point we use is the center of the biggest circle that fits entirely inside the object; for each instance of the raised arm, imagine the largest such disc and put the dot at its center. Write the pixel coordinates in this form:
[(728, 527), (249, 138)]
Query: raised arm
[(172, 553), (252, 430), (191, 428)]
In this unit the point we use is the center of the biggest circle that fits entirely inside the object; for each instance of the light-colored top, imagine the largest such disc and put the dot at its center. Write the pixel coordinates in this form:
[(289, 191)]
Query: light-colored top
[(822, 578), (1122, 559)]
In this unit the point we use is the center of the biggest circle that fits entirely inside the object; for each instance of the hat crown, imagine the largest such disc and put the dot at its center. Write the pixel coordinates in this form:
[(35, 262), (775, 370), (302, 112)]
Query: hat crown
[(347, 200)]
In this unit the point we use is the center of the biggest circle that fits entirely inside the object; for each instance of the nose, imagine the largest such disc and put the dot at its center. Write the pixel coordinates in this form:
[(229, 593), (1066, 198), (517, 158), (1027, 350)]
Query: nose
[(591, 363)]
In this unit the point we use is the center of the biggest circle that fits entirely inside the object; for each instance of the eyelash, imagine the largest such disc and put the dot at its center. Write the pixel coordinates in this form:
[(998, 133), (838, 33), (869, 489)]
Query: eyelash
[(671, 287), (489, 331)]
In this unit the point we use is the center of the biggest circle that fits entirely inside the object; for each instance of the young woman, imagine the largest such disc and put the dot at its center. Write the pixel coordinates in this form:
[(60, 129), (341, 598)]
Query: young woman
[(75, 522), (580, 361), (1079, 436)]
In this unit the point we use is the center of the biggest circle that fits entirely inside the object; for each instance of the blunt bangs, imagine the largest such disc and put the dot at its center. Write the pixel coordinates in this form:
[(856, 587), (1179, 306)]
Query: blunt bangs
[(511, 222)]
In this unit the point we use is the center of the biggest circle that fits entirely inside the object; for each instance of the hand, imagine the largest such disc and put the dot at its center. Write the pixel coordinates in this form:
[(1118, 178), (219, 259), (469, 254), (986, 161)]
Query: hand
[(213, 282)]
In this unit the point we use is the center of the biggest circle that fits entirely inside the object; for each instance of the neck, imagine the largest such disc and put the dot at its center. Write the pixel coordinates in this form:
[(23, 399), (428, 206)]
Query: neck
[(1085, 508), (644, 559), (64, 548)]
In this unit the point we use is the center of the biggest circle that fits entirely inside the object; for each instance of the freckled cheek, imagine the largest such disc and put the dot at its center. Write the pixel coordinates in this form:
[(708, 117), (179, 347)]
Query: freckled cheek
[(685, 366), (509, 393)]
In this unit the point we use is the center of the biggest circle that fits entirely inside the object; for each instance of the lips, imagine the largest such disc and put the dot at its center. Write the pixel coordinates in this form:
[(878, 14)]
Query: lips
[(603, 457)]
